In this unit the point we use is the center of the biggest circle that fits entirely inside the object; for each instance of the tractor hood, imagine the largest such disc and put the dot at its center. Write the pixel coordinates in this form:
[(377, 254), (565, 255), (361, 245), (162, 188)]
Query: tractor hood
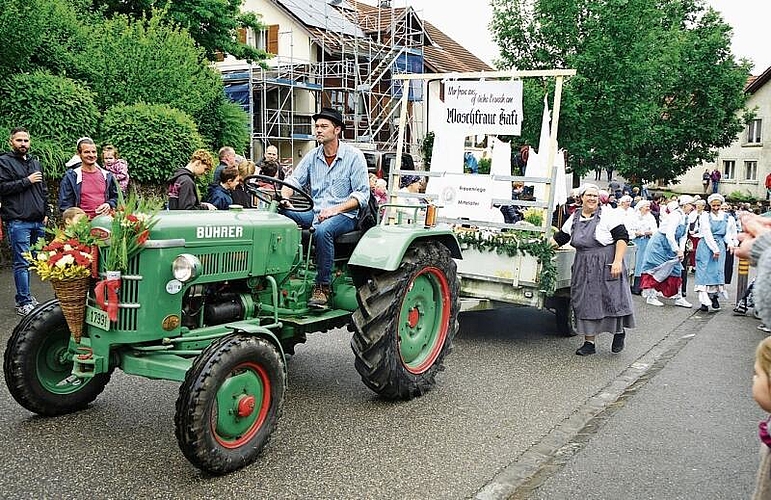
[(193, 228)]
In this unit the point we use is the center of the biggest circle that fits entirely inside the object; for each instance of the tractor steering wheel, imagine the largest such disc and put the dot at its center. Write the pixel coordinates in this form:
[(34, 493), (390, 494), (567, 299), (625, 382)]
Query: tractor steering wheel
[(300, 200)]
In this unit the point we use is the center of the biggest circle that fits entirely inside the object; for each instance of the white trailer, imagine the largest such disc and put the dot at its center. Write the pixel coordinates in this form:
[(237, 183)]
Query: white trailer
[(502, 263)]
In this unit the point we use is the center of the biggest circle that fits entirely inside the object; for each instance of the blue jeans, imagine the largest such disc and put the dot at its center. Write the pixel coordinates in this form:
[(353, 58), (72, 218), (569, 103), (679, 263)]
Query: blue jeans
[(715, 186), (22, 234), (324, 239)]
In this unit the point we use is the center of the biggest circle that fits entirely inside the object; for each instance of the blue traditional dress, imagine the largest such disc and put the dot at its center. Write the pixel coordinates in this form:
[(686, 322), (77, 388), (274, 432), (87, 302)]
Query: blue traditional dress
[(643, 224), (661, 269), (717, 231)]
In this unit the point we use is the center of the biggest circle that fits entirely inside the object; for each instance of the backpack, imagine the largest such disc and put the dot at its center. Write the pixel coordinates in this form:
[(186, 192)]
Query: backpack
[(368, 215)]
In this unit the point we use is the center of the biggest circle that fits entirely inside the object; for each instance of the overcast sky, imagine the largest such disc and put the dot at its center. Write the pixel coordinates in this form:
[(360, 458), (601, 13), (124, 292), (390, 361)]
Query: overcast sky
[(749, 18)]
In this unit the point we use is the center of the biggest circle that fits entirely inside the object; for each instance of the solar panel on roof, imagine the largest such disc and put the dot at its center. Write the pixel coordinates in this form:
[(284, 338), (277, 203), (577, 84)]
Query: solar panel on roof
[(320, 14)]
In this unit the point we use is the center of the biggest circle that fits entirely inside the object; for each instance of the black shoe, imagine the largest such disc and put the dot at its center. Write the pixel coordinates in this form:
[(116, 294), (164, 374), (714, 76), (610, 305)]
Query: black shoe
[(740, 310), (715, 303), (618, 342), (703, 308), (586, 349)]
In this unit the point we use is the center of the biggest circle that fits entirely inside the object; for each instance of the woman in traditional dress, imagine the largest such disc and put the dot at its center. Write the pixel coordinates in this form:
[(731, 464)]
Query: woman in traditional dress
[(718, 231), (599, 287), (661, 270), (643, 227)]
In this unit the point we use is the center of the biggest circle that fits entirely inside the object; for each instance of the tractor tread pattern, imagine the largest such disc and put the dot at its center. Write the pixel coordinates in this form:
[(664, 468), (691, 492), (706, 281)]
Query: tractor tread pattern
[(19, 366), (196, 394), (376, 329)]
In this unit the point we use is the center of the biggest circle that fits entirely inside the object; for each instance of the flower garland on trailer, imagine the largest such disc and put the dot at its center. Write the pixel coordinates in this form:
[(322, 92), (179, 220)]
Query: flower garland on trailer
[(514, 243)]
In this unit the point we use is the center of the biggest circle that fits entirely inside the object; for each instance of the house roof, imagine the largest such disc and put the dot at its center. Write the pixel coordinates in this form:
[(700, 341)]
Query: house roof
[(447, 55), (321, 14), (754, 83), (440, 52)]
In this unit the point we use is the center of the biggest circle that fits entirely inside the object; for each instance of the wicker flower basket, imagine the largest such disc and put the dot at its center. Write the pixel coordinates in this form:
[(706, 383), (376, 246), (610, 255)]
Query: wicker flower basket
[(72, 295)]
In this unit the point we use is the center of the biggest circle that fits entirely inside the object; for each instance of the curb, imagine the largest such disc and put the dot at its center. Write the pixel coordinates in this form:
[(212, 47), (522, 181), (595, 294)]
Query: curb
[(531, 469)]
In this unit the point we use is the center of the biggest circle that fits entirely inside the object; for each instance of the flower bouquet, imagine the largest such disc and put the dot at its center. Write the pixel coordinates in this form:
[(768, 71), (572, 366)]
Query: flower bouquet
[(129, 229), (68, 261)]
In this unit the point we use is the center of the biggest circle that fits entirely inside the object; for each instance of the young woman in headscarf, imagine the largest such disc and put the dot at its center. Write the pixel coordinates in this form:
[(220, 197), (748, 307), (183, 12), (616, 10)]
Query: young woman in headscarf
[(599, 286), (718, 231), (661, 270), (643, 228)]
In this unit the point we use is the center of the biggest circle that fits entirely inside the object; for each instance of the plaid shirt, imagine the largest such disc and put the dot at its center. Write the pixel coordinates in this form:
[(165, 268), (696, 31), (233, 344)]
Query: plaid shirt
[(330, 186)]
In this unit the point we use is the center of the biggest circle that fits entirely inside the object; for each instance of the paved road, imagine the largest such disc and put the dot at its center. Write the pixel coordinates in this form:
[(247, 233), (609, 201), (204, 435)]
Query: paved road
[(509, 383)]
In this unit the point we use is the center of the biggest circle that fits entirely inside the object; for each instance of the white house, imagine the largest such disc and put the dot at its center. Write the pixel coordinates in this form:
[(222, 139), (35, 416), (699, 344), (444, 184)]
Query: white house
[(745, 163)]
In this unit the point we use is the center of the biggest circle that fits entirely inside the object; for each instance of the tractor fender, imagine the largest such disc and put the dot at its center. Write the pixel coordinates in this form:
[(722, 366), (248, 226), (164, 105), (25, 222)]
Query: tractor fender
[(258, 331), (383, 246)]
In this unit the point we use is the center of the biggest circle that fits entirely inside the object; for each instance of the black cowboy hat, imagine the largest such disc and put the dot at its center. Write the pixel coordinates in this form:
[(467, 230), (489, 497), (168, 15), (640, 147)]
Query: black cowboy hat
[(332, 115)]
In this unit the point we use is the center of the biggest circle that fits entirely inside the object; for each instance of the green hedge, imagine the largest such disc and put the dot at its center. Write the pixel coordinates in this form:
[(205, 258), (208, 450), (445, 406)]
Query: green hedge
[(224, 123), (56, 111), (154, 139)]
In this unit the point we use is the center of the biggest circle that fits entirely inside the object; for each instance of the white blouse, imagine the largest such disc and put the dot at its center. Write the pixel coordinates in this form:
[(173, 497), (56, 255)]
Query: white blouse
[(609, 219), (643, 224), (668, 227), (706, 233)]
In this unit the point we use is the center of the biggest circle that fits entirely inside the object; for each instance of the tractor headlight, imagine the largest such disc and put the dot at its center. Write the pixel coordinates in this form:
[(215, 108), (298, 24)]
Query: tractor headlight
[(186, 267)]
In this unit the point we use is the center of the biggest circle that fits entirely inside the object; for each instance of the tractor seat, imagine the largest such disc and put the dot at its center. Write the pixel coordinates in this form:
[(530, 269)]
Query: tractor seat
[(346, 242)]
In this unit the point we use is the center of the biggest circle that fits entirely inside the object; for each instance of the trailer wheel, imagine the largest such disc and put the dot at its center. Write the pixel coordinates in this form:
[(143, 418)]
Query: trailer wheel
[(230, 403), (38, 365), (564, 316), (406, 322)]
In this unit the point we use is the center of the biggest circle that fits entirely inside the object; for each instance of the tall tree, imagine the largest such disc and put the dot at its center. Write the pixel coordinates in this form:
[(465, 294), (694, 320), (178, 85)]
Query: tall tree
[(657, 88), (213, 24)]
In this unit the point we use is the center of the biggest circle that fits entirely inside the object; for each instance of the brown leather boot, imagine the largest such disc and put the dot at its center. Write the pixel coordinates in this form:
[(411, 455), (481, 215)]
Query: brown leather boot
[(320, 296)]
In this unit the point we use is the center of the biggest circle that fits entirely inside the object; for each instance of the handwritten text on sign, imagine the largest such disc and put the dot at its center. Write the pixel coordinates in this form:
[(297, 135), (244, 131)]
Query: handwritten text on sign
[(490, 107)]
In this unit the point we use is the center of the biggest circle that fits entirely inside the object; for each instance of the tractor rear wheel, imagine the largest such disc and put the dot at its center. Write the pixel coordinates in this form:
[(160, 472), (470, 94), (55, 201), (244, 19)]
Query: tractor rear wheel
[(230, 403), (406, 322), (38, 365)]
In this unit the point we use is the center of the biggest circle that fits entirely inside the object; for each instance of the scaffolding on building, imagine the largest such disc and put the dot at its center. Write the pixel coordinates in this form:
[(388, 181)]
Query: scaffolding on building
[(353, 75)]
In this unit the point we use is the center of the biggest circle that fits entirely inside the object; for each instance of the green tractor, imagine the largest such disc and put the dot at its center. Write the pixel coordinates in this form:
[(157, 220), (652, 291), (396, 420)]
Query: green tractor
[(217, 300)]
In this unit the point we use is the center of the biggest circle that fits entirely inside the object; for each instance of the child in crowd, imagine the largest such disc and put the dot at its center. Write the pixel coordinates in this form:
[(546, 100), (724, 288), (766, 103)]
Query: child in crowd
[(381, 191), (115, 165), (378, 188), (240, 196), (220, 195), (72, 215), (761, 392), (182, 191)]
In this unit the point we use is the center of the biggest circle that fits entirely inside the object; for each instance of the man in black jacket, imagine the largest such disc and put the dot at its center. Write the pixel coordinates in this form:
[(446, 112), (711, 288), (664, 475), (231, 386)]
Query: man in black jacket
[(24, 210)]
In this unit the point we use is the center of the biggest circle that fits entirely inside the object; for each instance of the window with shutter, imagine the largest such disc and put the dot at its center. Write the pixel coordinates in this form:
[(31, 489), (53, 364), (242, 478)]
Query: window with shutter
[(272, 39)]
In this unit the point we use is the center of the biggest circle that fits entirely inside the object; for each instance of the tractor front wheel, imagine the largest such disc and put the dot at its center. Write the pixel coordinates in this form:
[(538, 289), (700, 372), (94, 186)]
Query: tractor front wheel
[(406, 322), (38, 365), (230, 403)]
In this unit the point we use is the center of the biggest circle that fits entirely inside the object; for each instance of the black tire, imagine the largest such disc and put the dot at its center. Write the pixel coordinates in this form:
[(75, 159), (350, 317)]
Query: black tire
[(564, 317), (243, 367), (36, 363), (403, 364)]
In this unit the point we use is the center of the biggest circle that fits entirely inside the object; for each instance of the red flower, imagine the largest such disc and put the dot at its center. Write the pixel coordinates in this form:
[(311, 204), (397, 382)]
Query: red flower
[(131, 218), (143, 237)]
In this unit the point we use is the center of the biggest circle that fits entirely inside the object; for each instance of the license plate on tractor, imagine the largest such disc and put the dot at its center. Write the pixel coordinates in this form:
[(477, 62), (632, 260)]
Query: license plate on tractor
[(98, 318)]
